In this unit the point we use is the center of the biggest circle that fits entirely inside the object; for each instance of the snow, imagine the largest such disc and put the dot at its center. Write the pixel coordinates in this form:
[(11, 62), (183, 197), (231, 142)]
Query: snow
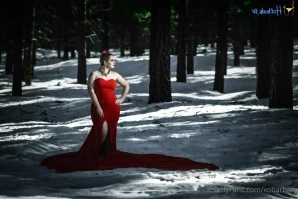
[(256, 147)]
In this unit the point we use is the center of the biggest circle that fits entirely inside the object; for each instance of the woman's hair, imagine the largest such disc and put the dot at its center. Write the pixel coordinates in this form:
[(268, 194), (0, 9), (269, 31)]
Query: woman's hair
[(105, 55)]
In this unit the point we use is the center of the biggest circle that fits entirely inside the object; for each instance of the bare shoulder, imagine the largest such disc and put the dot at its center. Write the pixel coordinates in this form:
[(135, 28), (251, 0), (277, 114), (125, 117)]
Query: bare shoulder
[(93, 74), (115, 75)]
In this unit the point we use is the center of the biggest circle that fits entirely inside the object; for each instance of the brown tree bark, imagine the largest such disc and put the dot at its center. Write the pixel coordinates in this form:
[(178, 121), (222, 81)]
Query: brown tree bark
[(281, 62), (190, 43), (222, 33), (105, 43), (262, 67), (82, 73), (159, 63), (18, 52), (181, 43), (28, 37)]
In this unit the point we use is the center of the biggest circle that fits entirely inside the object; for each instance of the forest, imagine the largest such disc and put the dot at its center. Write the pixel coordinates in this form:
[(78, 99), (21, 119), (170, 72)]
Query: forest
[(174, 27), (210, 81)]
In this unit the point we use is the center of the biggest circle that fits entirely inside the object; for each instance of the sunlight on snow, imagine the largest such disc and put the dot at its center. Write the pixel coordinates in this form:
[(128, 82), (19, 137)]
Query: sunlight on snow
[(82, 122), (131, 110), (60, 64), (188, 123), (174, 182), (10, 127), (189, 111), (136, 79), (150, 138), (43, 99), (25, 137), (227, 96), (139, 127), (265, 156), (182, 135)]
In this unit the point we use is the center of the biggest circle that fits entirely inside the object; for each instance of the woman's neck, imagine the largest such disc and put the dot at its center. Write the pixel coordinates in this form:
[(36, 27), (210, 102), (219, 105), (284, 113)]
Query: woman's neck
[(104, 69)]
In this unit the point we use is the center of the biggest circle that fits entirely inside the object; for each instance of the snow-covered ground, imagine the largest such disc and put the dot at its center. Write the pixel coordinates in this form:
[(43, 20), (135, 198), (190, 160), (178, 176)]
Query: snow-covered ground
[(256, 147)]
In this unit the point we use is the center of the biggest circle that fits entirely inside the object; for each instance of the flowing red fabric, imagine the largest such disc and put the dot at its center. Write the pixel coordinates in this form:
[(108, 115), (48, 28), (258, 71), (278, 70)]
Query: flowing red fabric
[(94, 156)]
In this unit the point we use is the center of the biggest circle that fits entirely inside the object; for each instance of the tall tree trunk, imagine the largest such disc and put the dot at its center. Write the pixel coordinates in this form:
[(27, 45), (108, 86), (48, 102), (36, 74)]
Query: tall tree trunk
[(9, 58), (173, 43), (59, 39), (66, 42), (262, 67), (195, 42), (59, 47), (159, 63), (242, 38), (9, 48), (18, 51), (235, 37), (181, 65), (133, 35), (66, 49), (73, 51), (33, 42), (106, 27), (222, 32), (82, 74), (190, 43), (33, 54), (281, 62), (122, 37), (236, 51), (88, 48), (253, 33), (28, 36), (88, 31), (226, 57)]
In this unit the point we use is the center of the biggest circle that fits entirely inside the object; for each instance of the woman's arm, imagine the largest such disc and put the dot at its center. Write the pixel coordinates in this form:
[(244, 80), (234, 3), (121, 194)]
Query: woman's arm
[(91, 92), (120, 80)]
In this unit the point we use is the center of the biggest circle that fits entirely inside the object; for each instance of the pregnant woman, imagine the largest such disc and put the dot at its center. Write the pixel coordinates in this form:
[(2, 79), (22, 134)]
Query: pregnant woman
[(99, 151)]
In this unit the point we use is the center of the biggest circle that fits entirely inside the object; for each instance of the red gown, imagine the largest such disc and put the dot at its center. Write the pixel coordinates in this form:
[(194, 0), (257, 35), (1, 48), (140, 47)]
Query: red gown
[(96, 156)]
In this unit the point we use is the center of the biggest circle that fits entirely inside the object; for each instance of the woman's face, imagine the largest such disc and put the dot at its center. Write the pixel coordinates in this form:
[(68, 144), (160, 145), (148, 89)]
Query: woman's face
[(111, 62)]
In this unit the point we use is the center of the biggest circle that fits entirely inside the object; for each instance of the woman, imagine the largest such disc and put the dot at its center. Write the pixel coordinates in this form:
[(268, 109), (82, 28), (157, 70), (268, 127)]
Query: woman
[(99, 151), (105, 107)]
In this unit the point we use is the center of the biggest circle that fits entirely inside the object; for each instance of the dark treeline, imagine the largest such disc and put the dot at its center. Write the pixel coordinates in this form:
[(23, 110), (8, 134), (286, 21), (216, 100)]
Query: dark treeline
[(75, 28)]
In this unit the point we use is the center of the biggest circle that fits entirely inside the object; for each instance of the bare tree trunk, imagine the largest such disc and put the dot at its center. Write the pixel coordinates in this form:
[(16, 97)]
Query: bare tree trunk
[(236, 52), (9, 48), (88, 31), (18, 51), (159, 63), (195, 43), (82, 73), (106, 27), (33, 42), (27, 64), (33, 54), (59, 39), (281, 62), (122, 37), (222, 20), (73, 53), (262, 67), (226, 58), (190, 43), (181, 58), (65, 50), (133, 37)]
